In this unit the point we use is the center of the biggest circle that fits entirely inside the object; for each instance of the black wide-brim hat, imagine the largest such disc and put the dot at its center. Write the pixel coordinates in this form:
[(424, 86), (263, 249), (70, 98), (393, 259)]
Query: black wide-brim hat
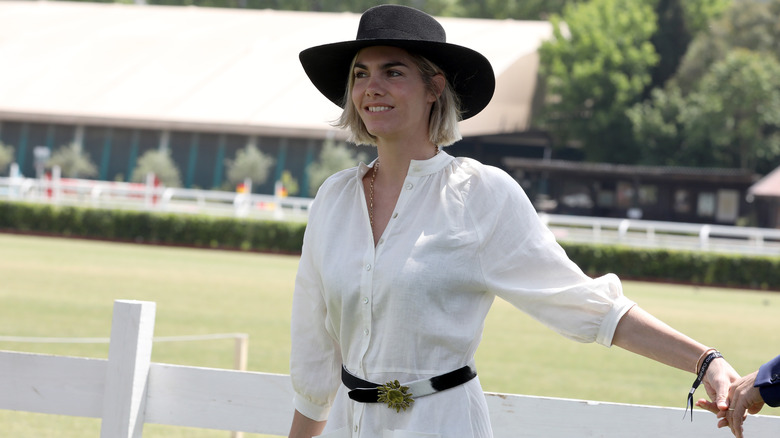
[(467, 70)]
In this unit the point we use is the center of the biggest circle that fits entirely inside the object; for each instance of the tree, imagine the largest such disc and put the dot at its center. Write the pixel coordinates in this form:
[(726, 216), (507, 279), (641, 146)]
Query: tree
[(160, 163), (748, 24), (720, 109), (72, 161), (289, 183), (737, 111), (698, 14), (333, 158), (6, 156), (658, 129), (670, 41), (499, 9), (515, 9), (731, 119), (250, 163), (596, 66)]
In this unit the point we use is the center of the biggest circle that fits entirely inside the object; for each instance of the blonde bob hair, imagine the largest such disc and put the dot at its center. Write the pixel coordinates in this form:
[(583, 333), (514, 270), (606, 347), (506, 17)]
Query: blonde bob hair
[(442, 123)]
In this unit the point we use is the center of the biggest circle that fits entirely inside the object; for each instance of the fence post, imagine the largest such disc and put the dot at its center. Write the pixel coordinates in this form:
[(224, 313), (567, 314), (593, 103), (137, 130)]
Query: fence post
[(704, 236), (129, 360), (240, 361)]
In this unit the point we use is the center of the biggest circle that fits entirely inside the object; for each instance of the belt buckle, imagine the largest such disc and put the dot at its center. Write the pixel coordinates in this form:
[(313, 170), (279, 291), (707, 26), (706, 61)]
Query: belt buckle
[(395, 396)]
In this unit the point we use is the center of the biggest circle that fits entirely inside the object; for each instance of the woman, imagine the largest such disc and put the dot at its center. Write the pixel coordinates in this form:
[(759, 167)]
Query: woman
[(402, 259)]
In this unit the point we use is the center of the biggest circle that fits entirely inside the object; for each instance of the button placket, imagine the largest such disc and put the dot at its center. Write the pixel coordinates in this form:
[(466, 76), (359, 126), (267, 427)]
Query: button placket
[(358, 414), (365, 298), (403, 200), (367, 311)]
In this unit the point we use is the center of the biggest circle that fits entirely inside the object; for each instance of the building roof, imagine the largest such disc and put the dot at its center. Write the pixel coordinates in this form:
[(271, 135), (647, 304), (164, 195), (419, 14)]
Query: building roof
[(214, 69), (768, 186)]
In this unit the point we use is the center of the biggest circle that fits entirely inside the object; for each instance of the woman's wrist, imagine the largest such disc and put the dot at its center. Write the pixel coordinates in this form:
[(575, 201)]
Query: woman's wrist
[(701, 370), (706, 353)]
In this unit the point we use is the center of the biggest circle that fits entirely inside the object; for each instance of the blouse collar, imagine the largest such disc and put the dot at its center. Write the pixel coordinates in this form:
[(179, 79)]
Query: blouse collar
[(417, 168)]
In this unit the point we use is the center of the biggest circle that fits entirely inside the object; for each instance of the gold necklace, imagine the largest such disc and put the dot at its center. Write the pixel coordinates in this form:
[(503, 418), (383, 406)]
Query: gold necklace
[(371, 194), (371, 190)]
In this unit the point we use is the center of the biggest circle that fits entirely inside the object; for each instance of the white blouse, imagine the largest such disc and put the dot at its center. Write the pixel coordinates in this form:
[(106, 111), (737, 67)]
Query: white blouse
[(414, 306)]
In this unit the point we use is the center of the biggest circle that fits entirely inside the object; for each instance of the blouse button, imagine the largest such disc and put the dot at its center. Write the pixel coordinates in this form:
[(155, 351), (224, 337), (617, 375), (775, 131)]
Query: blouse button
[(365, 332), (365, 300), (368, 267), (381, 241), (395, 215), (409, 186)]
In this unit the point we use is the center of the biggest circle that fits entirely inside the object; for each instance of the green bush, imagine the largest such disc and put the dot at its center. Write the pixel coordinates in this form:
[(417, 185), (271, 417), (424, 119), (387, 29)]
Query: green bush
[(703, 268), (694, 267), (162, 228)]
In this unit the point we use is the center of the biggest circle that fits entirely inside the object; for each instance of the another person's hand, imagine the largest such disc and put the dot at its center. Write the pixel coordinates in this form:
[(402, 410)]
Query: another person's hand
[(743, 398)]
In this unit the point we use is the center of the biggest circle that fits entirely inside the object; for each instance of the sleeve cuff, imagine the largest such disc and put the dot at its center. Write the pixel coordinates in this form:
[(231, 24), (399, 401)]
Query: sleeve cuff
[(768, 382), (770, 395), (310, 410), (611, 320)]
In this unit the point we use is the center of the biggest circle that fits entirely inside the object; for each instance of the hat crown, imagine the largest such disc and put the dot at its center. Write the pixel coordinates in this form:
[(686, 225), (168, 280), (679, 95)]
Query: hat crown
[(399, 23)]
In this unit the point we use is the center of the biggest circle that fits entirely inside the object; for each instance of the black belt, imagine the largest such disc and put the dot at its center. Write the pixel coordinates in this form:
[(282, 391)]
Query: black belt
[(399, 396)]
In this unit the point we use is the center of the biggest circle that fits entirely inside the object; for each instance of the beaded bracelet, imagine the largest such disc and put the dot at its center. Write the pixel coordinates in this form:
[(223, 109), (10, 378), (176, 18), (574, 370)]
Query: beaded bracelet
[(712, 354)]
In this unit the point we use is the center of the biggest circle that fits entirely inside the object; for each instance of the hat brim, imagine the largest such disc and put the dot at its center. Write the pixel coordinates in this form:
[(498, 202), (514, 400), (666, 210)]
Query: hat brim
[(467, 70)]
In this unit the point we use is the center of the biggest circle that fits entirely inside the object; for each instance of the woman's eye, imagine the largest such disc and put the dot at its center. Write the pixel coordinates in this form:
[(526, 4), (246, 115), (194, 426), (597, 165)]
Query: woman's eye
[(360, 74), (393, 73)]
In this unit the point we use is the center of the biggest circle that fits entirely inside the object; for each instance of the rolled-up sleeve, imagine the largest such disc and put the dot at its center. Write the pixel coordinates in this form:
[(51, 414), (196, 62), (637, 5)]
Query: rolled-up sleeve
[(523, 264)]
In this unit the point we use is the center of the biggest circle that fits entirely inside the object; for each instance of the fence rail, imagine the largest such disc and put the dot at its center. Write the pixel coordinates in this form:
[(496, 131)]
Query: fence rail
[(151, 197), (656, 234), (127, 390)]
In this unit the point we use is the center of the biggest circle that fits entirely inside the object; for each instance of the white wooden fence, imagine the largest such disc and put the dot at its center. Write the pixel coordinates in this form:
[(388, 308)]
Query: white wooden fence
[(152, 197), (127, 390), (657, 234)]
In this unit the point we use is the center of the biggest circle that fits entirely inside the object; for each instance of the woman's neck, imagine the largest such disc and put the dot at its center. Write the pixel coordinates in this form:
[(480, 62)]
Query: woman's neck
[(396, 157)]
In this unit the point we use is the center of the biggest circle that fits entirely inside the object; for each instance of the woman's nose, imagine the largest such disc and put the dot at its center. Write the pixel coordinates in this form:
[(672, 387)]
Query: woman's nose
[(373, 87)]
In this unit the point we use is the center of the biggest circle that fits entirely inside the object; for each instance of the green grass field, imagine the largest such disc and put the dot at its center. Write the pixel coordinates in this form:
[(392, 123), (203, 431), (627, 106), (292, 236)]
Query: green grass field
[(52, 287)]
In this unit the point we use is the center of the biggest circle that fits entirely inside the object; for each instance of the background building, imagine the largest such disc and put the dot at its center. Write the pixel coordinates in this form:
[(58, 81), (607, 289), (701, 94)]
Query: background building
[(679, 194), (203, 83)]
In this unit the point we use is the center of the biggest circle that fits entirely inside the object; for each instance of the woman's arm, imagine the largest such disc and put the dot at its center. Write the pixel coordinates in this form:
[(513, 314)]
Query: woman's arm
[(305, 427), (643, 334)]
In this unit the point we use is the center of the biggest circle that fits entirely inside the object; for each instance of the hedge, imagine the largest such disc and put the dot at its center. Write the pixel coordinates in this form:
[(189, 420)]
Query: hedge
[(156, 228), (666, 265), (701, 268)]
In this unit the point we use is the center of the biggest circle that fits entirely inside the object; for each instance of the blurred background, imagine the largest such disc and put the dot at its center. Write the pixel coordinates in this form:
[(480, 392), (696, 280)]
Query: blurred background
[(664, 110)]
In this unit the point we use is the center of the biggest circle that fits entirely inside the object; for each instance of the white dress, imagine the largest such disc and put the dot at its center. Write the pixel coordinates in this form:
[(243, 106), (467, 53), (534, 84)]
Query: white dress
[(414, 306)]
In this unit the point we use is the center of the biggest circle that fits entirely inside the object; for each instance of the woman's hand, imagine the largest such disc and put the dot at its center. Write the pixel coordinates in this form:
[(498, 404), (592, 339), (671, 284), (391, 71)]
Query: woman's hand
[(717, 382), (742, 399)]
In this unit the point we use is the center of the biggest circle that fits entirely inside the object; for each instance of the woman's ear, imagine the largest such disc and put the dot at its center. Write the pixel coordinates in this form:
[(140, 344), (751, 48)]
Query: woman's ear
[(438, 81)]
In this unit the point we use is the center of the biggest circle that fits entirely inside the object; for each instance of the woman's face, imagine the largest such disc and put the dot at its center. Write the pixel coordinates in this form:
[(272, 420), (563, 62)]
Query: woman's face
[(389, 93)]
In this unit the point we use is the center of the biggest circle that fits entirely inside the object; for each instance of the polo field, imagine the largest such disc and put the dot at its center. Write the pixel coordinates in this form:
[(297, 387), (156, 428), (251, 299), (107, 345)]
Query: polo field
[(65, 288)]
